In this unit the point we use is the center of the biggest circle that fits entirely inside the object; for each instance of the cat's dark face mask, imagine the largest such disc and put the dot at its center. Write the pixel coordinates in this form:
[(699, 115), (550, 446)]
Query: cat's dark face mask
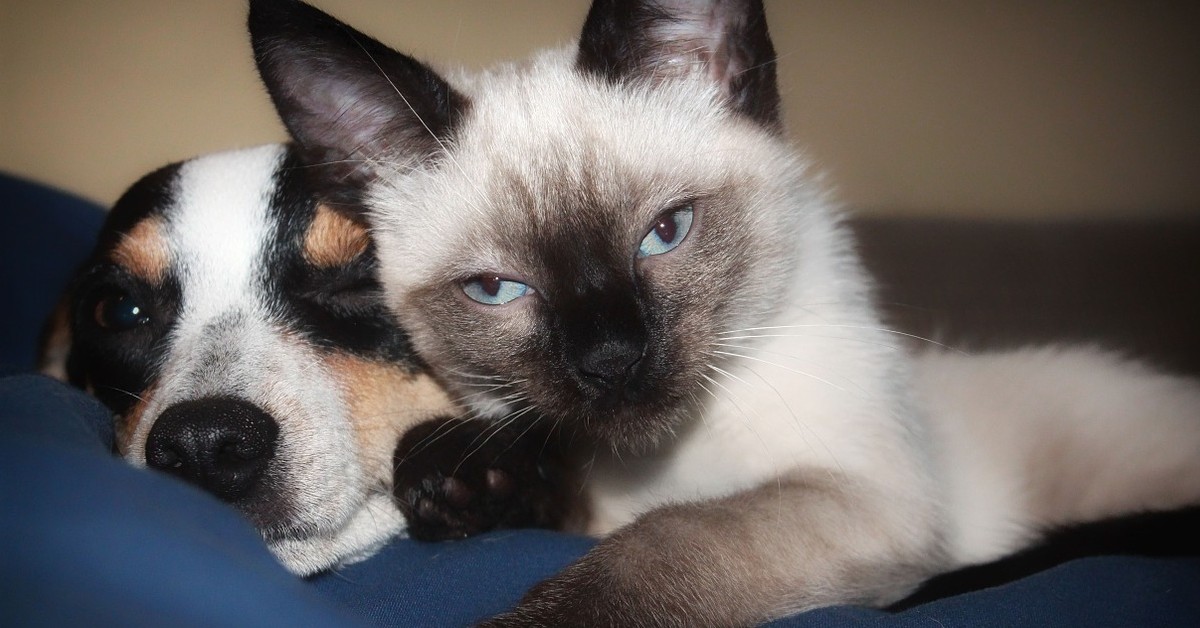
[(609, 330), (608, 325)]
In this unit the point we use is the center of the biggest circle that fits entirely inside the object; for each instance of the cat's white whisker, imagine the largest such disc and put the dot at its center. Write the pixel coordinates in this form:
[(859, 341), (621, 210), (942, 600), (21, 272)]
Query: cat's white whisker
[(738, 405), (484, 387), (587, 468), (786, 368), (471, 375), (829, 370), (445, 151), (701, 411), (493, 428), (125, 392), (530, 426), (500, 427), (729, 335), (875, 343), (728, 374), (487, 408), (802, 428), (437, 434), (512, 398)]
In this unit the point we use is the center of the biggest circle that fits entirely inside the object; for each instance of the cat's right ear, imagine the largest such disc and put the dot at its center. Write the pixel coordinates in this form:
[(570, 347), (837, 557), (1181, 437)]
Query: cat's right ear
[(724, 41), (350, 103)]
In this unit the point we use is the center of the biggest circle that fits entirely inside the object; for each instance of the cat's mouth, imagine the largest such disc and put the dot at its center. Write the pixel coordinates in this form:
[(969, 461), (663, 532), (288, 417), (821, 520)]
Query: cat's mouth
[(635, 419)]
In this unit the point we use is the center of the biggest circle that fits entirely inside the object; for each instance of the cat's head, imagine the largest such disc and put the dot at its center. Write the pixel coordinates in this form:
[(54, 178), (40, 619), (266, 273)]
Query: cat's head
[(571, 234)]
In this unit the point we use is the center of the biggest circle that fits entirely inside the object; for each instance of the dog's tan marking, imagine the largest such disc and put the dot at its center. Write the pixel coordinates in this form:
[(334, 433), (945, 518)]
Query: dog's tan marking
[(384, 401), (333, 239), (143, 251), (56, 341)]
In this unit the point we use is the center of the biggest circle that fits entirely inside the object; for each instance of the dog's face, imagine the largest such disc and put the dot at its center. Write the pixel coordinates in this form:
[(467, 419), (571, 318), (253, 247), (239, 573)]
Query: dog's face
[(233, 325)]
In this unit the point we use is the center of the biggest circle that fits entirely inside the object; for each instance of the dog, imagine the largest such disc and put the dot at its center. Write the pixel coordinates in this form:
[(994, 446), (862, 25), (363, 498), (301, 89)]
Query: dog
[(230, 318)]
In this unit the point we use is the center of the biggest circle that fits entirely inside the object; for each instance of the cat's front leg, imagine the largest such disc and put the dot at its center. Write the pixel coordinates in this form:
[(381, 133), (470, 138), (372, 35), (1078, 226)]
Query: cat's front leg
[(456, 477), (781, 548)]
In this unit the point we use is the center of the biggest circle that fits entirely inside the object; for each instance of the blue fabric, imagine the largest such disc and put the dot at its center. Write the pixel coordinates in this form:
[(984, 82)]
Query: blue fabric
[(89, 541), (449, 584), (44, 235), (86, 540)]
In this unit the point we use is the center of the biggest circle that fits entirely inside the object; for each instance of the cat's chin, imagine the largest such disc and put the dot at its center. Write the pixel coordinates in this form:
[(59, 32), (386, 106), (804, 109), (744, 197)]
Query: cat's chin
[(630, 430)]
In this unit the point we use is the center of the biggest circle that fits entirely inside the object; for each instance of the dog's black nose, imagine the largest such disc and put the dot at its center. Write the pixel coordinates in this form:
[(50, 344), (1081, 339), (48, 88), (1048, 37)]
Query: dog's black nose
[(221, 444)]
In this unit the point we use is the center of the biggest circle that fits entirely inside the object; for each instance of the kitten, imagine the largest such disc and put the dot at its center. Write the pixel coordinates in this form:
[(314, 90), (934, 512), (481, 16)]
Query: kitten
[(617, 236)]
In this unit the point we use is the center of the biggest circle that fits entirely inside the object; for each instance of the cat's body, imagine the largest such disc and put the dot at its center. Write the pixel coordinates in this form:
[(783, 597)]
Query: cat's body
[(1041, 437), (618, 237)]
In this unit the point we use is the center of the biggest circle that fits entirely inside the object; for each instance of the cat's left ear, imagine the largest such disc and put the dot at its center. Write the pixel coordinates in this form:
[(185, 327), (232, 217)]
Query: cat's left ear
[(726, 40), (352, 104)]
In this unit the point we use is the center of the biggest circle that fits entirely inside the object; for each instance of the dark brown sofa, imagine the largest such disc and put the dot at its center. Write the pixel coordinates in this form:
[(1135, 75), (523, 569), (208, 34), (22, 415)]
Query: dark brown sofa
[(1130, 285)]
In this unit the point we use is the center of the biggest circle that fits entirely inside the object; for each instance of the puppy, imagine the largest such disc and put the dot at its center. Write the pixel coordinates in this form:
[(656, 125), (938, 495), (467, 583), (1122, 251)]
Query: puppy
[(230, 319)]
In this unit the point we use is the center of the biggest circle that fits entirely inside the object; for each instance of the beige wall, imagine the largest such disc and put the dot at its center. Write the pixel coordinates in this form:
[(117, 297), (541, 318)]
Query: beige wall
[(1018, 107)]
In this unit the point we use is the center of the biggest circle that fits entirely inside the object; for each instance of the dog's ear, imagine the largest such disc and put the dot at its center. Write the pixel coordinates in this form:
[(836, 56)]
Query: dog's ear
[(54, 344), (723, 40), (352, 104)]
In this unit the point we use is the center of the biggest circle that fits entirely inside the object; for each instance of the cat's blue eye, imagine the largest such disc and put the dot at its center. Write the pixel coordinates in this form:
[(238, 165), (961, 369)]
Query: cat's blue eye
[(493, 290), (668, 232), (120, 312)]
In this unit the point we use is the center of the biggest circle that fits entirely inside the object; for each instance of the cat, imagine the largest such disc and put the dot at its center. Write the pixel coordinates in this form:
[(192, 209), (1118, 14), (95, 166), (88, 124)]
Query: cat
[(617, 236)]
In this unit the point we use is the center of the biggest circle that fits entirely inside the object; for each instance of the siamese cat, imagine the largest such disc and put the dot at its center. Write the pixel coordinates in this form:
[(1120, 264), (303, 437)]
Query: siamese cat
[(617, 236)]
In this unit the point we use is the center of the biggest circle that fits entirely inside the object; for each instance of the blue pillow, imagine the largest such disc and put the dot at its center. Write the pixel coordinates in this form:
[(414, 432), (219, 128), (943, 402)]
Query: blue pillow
[(44, 235)]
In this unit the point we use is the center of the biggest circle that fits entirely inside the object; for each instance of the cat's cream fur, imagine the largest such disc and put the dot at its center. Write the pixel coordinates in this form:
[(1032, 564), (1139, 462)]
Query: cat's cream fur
[(812, 456)]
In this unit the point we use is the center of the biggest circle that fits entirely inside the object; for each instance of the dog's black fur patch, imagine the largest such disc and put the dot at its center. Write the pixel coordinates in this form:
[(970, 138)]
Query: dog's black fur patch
[(338, 307)]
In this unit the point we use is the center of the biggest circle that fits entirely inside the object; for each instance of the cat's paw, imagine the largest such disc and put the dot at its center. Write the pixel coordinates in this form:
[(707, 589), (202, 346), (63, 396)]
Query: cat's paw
[(456, 477)]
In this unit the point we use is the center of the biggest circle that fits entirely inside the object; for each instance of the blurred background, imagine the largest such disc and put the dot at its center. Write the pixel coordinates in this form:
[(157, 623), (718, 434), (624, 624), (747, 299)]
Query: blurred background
[(1018, 108)]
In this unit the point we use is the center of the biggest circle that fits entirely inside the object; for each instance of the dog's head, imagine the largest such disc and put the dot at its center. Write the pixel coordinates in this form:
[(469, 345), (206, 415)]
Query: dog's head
[(233, 325)]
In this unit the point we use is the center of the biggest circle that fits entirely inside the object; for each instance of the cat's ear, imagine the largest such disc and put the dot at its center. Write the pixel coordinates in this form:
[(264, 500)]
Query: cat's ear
[(351, 103), (726, 40)]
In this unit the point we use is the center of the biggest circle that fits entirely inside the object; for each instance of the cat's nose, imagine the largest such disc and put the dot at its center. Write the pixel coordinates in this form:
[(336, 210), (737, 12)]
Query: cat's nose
[(220, 444), (611, 364)]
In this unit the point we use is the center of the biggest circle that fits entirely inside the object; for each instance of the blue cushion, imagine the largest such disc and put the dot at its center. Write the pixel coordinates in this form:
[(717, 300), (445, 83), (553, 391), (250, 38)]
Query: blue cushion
[(44, 235), (90, 541), (94, 542)]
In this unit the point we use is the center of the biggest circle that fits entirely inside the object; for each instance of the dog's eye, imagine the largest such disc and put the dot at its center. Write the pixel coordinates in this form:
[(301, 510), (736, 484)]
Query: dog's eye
[(344, 290), (120, 312)]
